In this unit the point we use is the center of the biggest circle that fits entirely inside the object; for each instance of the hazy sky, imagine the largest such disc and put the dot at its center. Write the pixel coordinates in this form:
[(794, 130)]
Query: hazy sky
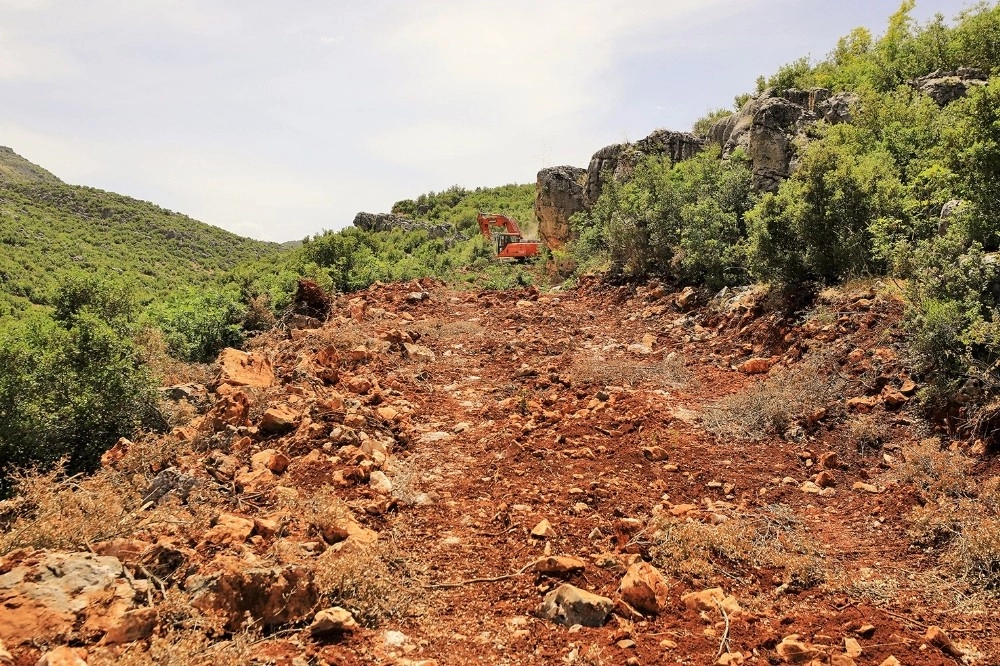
[(279, 119)]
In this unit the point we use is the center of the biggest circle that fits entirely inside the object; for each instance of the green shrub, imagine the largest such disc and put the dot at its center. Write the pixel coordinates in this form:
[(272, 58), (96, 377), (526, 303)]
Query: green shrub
[(198, 324), (820, 224), (684, 221), (71, 386)]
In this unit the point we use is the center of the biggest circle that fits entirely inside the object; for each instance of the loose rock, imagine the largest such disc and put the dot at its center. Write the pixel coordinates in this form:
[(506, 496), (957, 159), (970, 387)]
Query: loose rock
[(568, 605)]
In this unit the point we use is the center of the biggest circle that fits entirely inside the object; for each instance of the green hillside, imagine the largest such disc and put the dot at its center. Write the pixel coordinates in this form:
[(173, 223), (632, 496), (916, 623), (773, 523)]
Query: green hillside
[(49, 228)]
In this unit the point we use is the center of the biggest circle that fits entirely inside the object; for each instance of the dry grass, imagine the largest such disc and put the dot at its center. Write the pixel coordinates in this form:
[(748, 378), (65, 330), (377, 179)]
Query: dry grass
[(868, 432), (960, 517), (771, 538), (53, 511), (50, 510), (374, 583), (185, 637), (769, 407), (670, 373)]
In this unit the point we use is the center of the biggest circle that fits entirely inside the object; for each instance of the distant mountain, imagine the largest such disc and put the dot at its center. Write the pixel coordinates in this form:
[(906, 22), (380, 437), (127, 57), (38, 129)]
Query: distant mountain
[(16, 169), (48, 228)]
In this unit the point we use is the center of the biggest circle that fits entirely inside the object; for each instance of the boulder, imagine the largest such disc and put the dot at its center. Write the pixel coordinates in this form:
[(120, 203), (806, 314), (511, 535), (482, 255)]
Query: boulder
[(279, 419), (619, 160), (559, 565), (54, 597), (645, 588), (64, 656), (559, 194), (944, 87), (271, 596), (334, 620), (237, 368), (229, 530), (569, 605)]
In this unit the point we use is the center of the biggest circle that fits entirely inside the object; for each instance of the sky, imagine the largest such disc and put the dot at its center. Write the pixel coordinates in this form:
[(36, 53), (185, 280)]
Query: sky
[(277, 120)]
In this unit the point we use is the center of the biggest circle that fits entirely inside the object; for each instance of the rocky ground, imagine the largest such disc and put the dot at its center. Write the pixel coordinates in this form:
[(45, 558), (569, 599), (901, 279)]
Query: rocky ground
[(602, 475)]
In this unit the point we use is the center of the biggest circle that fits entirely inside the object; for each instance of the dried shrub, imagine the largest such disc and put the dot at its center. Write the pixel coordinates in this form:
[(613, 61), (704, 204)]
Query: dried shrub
[(868, 432), (698, 552), (769, 407), (51, 510), (373, 583), (670, 373), (935, 471)]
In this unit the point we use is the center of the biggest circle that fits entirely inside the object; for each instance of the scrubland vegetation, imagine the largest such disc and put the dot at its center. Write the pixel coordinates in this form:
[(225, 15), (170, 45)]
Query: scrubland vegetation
[(86, 275)]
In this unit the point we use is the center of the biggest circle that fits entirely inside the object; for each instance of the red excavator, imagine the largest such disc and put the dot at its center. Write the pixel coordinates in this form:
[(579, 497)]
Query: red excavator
[(510, 242)]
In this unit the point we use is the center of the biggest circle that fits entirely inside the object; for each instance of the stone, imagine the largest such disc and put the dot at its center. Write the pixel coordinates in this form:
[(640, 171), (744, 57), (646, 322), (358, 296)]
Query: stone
[(359, 385), (113, 456), (6, 658), (237, 368), (569, 605), (755, 366), (825, 479), (893, 398), (838, 108), (419, 353), (793, 651), (939, 639), (866, 487), (271, 460), (559, 565), (863, 404), (829, 460), (64, 656), (229, 530), (890, 661), (379, 482), (945, 87), (135, 625), (710, 600), (852, 648), (645, 588), (335, 620), (232, 409), (619, 160), (54, 597), (221, 466), (655, 453), (279, 419), (543, 530), (271, 596), (730, 659), (559, 194), (866, 630)]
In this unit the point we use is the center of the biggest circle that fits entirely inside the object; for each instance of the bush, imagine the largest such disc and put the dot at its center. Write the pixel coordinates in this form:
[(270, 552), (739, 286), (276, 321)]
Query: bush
[(199, 324), (820, 224), (71, 386), (683, 221)]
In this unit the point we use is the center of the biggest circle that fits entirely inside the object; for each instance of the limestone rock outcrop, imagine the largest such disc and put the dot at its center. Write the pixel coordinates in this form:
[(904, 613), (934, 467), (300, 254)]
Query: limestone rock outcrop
[(559, 195), (60, 597), (390, 221), (769, 125), (620, 159), (946, 87)]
